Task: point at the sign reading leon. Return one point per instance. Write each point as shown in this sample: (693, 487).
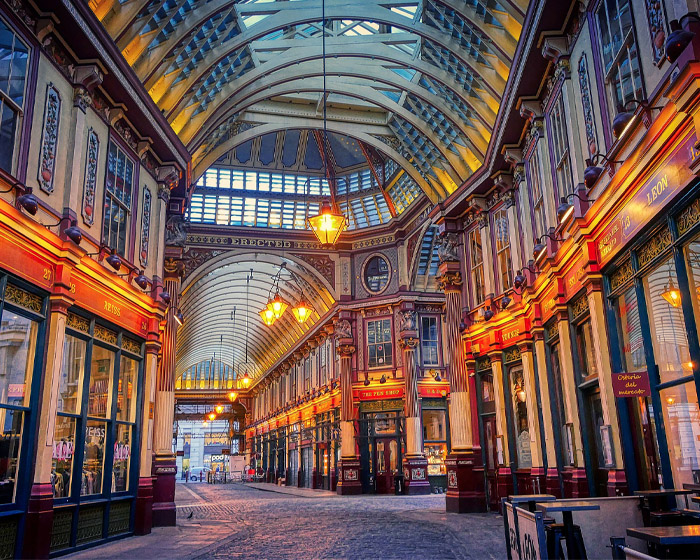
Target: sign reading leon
(632, 384)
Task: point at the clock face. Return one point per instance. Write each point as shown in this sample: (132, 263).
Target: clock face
(377, 274)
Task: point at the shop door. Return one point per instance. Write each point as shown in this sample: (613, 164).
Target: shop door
(491, 461)
(293, 467)
(306, 466)
(386, 460)
(594, 443)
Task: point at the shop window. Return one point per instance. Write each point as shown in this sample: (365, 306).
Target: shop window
(487, 390)
(118, 191)
(623, 75)
(435, 440)
(14, 56)
(502, 242)
(692, 259)
(585, 350)
(560, 147)
(379, 346)
(520, 419)
(564, 451)
(681, 414)
(19, 337)
(668, 332)
(100, 386)
(537, 192)
(429, 341)
(476, 261)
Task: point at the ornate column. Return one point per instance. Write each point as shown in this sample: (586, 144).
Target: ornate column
(537, 472)
(552, 485)
(504, 474)
(465, 470)
(40, 508)
(349, 465)
(415, 465)
(164, 469)
(143, 515)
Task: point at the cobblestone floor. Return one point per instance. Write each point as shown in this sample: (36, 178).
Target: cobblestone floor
(238, 521)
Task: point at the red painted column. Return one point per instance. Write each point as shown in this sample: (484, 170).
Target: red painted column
(164, 468)
(349, 464)
(415, 465)
(465, 470)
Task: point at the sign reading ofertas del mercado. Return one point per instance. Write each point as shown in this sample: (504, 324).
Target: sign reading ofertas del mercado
(650, 199)
(632, 384)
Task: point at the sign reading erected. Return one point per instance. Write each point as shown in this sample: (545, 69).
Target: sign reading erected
(632, 384)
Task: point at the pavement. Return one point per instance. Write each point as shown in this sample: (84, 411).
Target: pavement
(265, 521)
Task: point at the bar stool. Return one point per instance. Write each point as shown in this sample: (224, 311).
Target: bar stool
(556, 532)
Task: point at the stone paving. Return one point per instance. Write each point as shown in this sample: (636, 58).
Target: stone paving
(241, 521)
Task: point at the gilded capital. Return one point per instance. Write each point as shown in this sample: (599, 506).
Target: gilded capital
(345, 350)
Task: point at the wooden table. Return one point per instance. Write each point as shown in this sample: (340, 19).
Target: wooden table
(663, 539)
(658, 500)
(696, 499)
(530, 499)
(574, 545)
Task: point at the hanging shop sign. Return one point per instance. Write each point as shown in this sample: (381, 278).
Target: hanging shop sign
(632, 384)
(649, 200)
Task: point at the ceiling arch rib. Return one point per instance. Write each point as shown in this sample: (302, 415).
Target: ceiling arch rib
(211, 294)
(454, 167)
(196, 127)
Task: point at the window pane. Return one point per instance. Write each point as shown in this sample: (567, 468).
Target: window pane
(122, 458)
(126, 390)
(63, 451)
(630, 330)
(11, 422)
(434, 425)
(71, 381)
(682, 423)
(101, 371)
(8, 126)
(93, 462)
(435, 454)
(584, 346)
(17, 351)
(663, 298)
(520, 420)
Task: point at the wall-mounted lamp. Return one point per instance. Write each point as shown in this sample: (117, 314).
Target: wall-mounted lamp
(593, 171)
(488, 314)
(540, 248)
(367, 382)
(165, 296)
(72, 232)
(624, 119)
(179, 317)
(505, 302)
(383, 378)
(141, 280)
(565, 208)
(114, 260)
(26, 200)
(679, 39)
(436, 376)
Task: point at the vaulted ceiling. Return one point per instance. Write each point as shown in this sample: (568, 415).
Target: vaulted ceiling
(420, 82)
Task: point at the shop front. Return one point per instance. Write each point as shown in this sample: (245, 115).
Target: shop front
(653, 301)
(435, 441)
(306, 455)
(382, 444)
(327, 445)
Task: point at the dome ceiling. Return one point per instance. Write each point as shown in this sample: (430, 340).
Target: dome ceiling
(419, 82)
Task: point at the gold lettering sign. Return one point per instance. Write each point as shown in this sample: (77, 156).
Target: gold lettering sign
(511, 334)
(113, 309)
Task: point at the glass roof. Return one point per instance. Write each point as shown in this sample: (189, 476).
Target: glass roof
(418, 81)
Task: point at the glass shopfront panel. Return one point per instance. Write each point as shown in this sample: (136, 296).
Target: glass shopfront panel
(435, 440)
(62, 457)
(10, 444)
(126, 390)
(520, 420)
(101, 370)
(18, 350)
(94, 456)
(668, 333)
(122, 458)
(682, 424)
(71, 381)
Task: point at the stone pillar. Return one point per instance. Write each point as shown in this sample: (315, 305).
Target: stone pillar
(552, 485)
(575, 479)
(40, 508)
(164, 468)
(349, 465)
(415, 465)
(537, 471)
(617, 481)
(465, 470)
(143, 515)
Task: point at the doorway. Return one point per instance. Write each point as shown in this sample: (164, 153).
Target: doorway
(596, 446)
(307, 466)
(386, 463)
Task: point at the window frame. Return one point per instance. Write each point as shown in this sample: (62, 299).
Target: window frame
(476, 287)
(535, 184)
(388, 363)
(504, 250)
(560, 153)
(437, 341)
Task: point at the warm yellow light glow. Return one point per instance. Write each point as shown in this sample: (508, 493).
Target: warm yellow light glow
(212, 416)
(327, 226)
(268, 316)
(219, 408)
(246, 379)
(232, 396)
(278, 306)
(302, 311)
(672, 295)
(670, 400)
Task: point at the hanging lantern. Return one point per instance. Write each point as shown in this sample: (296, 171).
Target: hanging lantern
(232, 396)
(212, 416)
(277, 305)
(327, 226)
(672, 294)
(219, 408)
(302, 310)
(246, 379)
(268, 316)
(520, 392)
